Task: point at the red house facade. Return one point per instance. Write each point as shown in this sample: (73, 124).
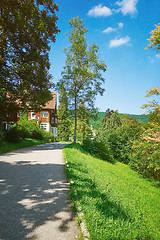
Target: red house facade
(47, 117)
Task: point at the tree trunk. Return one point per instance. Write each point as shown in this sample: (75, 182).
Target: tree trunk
(75, 117)
(1, 123)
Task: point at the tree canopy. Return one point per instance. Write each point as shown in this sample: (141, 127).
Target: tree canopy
(63, 119)
(155, 38)
(82, 75)
(26, 30)
(155, 91)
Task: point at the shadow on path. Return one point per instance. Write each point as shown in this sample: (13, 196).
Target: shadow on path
(33, 196)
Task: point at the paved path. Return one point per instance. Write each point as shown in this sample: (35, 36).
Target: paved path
(34, 202)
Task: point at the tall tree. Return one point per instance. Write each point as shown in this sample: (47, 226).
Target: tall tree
(63, 120)
(82, 75)
(155, 38)
(154, 42)
(26, 29)
(83, 126)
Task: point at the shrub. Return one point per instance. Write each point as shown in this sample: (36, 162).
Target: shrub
(119, 139)
(30, 129)
(27, 129)
(146, 158)
(47, 136)
(12, 135)
(97, 148)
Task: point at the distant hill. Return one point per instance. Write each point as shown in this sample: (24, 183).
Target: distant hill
(140, 118)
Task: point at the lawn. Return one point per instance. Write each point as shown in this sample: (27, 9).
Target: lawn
(7, 147)
(117, 202)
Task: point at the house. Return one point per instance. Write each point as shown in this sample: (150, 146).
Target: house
(9, 119)
(47, 117)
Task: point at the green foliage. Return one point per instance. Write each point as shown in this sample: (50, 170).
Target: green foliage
(152, 105)
(12, 135)
(82, 75)
(83, 126)
(146, 158)
(26, 30)
(28, 129)
(118, 133)
(64, 122)
(154, 117)
(96, 123)
(117, 203)
(98, 149)
(155, 38)
(111, 121)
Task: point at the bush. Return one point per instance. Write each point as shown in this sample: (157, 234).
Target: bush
(27, 129)
(30, 129)
(12, 135)
(47, 136)
(97, 148)
(146, 158)
(119, 139)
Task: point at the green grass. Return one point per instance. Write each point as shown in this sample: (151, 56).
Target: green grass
(7, 147)
(116, 201)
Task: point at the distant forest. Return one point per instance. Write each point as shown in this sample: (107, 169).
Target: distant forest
(140, 118)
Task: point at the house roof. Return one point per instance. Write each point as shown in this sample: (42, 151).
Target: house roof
(52, 103)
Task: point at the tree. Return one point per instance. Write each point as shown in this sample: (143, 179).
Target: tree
(152, 105)
(83, 126)
(63, 120)
(26, 29)
(155, 38)
(155, 91)
(82, 73)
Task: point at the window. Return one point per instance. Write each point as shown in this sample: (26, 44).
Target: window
(55, 120)
(52, 120)
(55, 131)
(52, 130)
(7, 126)
(44, 126)
(33, 115)
(44, 114)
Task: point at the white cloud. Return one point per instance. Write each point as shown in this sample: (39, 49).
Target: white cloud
(120, 25)
(100, 11)
(158, 56)
(119, 42)
(110, 29)
(127, 6)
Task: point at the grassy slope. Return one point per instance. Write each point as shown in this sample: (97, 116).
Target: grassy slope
(116, 201)
(7, 147)
(96, 123)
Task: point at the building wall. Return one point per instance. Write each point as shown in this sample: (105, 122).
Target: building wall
(49, 123)
(11, 117)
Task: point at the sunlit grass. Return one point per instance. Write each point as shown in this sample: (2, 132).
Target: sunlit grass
(116, 201)
(7, 147)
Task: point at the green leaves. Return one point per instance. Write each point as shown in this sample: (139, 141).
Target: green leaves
(27, 27)
(82, 75)
(155, 38)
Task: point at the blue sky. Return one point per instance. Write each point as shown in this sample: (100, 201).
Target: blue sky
(120, 29)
